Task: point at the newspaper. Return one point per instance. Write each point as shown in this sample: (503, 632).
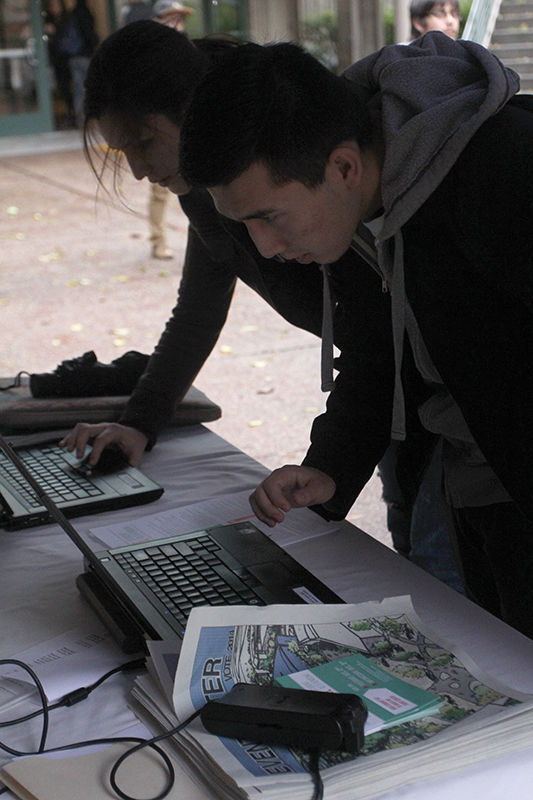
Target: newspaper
(478, 717)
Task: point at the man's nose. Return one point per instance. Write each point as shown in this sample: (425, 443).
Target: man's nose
(137, 165)
(268, 242)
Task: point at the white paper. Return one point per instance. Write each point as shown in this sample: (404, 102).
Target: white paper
(75, 659)
(299, 525)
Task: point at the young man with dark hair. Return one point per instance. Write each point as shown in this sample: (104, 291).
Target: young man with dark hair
(427, 15)
(421, 159)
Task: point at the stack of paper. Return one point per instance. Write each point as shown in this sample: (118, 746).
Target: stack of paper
(473, 719)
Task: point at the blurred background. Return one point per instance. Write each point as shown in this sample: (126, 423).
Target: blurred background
(36, 80)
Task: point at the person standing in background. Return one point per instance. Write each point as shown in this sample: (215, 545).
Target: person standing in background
(427, 15)
(84, 41)
(72, 40)
(55, 20)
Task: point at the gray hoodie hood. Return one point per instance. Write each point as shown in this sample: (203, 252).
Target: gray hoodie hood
(430, 97)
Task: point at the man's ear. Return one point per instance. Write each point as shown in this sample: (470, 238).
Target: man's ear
(418, 25)
(346, 163)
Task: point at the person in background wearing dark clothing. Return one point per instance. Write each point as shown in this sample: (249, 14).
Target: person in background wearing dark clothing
(83, 45)
(72, 40)
(55, 20)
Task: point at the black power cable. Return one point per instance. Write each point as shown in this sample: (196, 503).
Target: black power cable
(77, 695)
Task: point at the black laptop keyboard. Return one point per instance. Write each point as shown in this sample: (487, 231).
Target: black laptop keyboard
(187, 574)
(52, 470)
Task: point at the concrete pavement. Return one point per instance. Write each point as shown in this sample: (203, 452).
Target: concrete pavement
(77, 275)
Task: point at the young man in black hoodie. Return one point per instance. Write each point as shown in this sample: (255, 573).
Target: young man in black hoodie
(421, 160)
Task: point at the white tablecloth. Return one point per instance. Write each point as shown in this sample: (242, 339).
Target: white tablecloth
(39, 600)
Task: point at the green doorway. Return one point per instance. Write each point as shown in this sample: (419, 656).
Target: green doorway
(24, 88)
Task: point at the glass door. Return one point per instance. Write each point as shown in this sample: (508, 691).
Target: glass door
(25, 105)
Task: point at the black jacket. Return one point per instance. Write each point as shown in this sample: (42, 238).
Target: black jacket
(220, 251)
(468, 261)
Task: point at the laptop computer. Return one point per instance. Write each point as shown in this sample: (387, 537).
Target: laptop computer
(72, 490)
(146, 591)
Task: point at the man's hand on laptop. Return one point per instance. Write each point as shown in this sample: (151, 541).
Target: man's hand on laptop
(130, 440)
(289, 487)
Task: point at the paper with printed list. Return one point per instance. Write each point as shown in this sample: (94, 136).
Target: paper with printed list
(299, 524)
(75, 658)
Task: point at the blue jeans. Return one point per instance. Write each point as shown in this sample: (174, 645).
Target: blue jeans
(78, 68)
(420, 529)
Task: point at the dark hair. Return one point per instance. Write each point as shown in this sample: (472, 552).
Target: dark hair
(420, 9)
(143, 68)
(270, 103)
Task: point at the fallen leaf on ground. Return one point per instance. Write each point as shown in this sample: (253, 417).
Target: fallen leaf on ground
(225, 348)
(255, 423)
(54, 255)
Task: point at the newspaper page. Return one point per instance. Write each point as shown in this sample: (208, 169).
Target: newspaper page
(259, 644)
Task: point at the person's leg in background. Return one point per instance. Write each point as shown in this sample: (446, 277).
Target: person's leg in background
(63, 78)
(78, 68)
(419, 527)
(398, 506)
(156, 215)
(431, 546)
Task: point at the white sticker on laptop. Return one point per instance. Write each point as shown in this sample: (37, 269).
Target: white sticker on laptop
(306, 595)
